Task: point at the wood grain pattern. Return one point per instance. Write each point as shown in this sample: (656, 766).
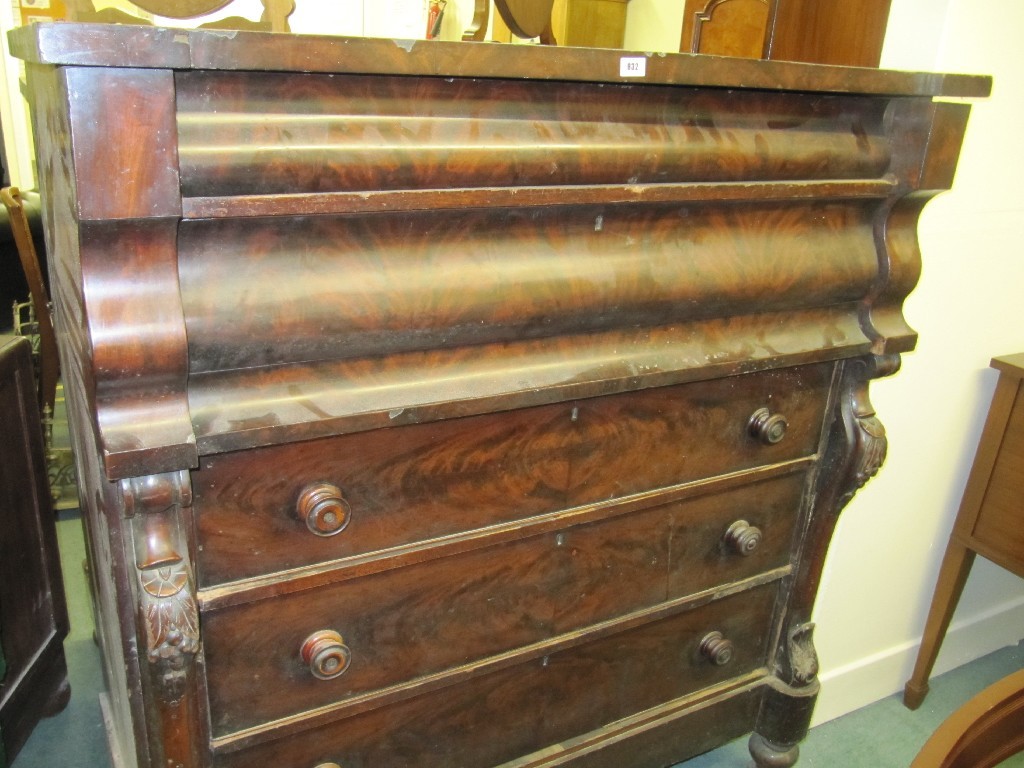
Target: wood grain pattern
(426, 618)
(124, 146)
(379, 285)
(343, 133)
(139, 348)
(124, 142)
(661, 436)
(420, 482)
(145, 424)
(700, 559)
(316, 574)
(404, 485)
(516, 711)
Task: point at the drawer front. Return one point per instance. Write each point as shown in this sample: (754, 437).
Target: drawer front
(400, 485)
(674, 736)
(427, 618)
(498, 716)
(414, 483)
(658, 437)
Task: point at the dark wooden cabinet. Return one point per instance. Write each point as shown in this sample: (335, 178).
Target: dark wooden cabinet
(469, 405)
(33, 613)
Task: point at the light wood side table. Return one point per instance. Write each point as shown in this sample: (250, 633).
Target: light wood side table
(989, 520)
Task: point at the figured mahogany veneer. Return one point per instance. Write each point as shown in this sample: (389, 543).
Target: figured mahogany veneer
(469, 405)
(416, 483)
(404, 623)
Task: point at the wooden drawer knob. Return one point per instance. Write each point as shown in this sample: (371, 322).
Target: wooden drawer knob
(742, 537)
(767, 427)
(716, 649)
(324, 509)
(326, 654)
(328, 765)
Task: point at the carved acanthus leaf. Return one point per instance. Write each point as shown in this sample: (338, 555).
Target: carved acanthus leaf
(803, 658)
(870, 452)
(171, 618)
(168, 610)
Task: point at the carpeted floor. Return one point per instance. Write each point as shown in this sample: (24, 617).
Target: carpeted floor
(883, 735)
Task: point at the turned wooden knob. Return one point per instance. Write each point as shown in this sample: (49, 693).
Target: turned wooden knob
(716, 649)
(767, 427)
(742, 537)
(324, 509)
(328, 765)
(326, 654)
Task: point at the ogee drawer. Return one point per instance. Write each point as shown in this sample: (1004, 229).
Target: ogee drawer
(282, 507)
(368, 633)
(657, 437)
(494, 717)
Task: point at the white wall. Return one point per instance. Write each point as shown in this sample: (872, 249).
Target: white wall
(13, 110)
(885, 557)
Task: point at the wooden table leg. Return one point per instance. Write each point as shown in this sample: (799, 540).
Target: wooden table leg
(956, 565)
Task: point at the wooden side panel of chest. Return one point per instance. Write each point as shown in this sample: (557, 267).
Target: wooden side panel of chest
(471, 407)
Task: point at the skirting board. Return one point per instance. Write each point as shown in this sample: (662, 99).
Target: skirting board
(116, 758)
(882, 674)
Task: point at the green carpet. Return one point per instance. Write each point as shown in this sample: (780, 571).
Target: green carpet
(886, 734)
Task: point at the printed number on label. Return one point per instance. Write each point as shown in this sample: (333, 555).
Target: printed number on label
(633, 66)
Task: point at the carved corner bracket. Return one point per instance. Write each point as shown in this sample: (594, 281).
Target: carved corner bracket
(168, 610)
(857, 448)
(867, 442)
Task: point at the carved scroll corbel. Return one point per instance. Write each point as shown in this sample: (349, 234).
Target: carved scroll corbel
(856, 450)
(168, 611)
(868, 443)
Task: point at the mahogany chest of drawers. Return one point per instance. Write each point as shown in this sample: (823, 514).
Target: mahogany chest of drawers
(469, 405)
